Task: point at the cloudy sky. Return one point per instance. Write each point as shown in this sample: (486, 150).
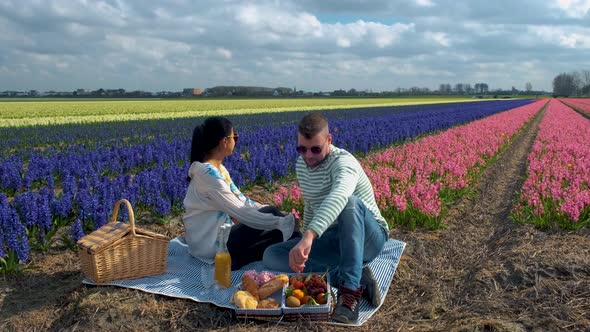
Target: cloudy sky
(319, 45)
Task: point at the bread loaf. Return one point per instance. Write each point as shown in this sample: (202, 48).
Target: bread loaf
(272, 286)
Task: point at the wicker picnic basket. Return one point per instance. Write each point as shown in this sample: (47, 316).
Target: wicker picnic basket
(119, 251)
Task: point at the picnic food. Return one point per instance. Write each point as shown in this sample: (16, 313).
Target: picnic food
(250, 286)
(252, 297)
(268, 304)
(315, 284)
(292, 301)
(273, 285)
(297, 281)
(308, 290)
(245, 300)
(260, 277)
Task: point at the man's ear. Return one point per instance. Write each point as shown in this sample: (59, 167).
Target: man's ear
(329, 139)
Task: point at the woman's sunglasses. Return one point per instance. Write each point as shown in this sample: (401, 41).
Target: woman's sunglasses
(314, 149)
(235, 136)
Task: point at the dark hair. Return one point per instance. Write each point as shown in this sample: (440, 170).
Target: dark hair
(312, 124)
(206, 136)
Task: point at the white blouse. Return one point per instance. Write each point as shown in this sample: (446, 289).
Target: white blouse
(211, 198)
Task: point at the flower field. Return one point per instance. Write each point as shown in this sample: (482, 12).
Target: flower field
(453, 171)
(557, 189)
(582, 105)
(25, 112)
(415, 181)
(69, 176)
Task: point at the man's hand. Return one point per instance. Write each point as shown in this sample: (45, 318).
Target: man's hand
(298, 254)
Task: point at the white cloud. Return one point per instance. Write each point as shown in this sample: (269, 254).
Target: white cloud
(574, 8)
(573, 38)
(343, 42)
(145, 47)
(361, 32)
(279, 22)
(425, 3)
(226, 54)
(78, 29)
(317, 45)
(439, 37)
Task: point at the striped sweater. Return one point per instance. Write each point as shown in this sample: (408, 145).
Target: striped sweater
(327, 187)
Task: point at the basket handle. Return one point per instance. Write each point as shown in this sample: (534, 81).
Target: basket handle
(129, 209)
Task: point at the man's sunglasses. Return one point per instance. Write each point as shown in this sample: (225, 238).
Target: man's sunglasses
(314, 149)
(235, 136)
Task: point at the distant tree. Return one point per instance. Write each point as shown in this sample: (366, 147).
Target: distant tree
(467, 87)
(564, 84)
(586, 76)
(445, 88)
(585, 90)
(528, 87)
(414, 90)
(459, 88)
(481, 88)
(578, 81)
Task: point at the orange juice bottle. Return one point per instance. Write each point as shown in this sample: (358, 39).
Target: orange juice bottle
(223, 259)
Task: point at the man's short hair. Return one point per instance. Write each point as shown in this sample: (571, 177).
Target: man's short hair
(313, 124)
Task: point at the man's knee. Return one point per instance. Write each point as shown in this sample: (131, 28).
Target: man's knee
(353, 202)
(350, 211)
(274, 256)
(269, 253)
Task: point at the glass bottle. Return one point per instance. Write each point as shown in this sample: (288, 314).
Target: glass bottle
(222, 258)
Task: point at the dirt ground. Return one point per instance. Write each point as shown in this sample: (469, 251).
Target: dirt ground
(482, 272)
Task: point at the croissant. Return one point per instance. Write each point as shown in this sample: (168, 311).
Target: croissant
(245, 300)
(272, 286)
(268, 304)
(249, 285)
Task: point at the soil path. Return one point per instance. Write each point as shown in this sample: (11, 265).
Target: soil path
(483, 272)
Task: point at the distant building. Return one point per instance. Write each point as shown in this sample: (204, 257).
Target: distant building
(189, 92)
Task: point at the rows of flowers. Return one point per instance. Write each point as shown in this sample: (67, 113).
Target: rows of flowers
(557, 188)
(55, 184)
(580, 104)
(414, 182)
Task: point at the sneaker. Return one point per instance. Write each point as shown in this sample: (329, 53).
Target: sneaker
(371, 291)
(347, 306)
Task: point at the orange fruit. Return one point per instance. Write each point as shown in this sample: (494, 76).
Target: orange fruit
(298, 293)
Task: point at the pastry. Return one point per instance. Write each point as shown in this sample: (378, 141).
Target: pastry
(250, 286)
(245, 300)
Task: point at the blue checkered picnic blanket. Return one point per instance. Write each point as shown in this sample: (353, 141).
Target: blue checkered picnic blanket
(190, 278)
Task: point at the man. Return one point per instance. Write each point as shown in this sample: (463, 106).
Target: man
(342, 226)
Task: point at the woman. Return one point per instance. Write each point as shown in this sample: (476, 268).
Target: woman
(212, 199)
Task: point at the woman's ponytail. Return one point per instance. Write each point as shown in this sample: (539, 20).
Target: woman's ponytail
(198, 146)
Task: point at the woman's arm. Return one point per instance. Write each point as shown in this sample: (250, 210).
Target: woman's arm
(221, 198)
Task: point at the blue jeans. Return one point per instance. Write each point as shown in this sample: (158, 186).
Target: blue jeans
(356, 239)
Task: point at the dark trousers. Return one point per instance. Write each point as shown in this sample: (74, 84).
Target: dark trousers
(246, 244)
